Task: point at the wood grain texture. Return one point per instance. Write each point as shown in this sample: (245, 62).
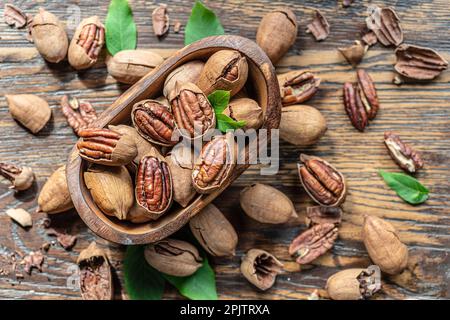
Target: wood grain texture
(420, 113)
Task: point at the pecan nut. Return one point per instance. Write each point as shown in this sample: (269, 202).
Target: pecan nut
(154, 122)
(79, 114)
(321, 215)
(406, 158)
(419, 63)
(260, 268)
(297, 86)
(354, 106)
(323, 183)
(319, 26)
(313, 243)
(369, 96)
(214, 165)
(385, 23)
(107, 147)
(21, 178)
(191, 109)
(86, 43)
(160, 20)
(14, 16)
(154, 189)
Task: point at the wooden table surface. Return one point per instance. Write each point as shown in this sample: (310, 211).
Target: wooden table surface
(419, 113)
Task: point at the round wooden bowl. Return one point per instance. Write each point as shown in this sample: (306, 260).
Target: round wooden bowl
(265, 83)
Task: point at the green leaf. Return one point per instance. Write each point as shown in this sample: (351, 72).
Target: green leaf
(225, 123)
(142, 282)
(199, 286)
(219, 100)
(406, 187)
(121, 31)
(201, 24)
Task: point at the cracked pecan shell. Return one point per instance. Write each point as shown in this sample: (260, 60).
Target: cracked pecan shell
(313, 242)
(297, 86)
(192, 111)
(154, 122)
(154, 189)
(323, 183)
(406, 158)
(385, 23)
(214, 164)
(21, 178)
(260, 268)
(319, 26)
(107, 147)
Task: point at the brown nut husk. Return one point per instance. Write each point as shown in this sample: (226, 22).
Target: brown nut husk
(138, 214)
(107, 147)
(30, 110)
(354, 53)
(21, 178)
(419, 63)
(86, 44)
(111, 188)
(214, 232)
(160, 20)
(154, 186)
(277, 32)
(354, 284)
(384, 246)
(183, 190)
(302, 125)
(266, 204)
(214, 165)
(260, 268)
(224, 70)
(297, 86)
(49, 36)
(193, 113)
(188, 72)
(129, 66)
(154, 121)
(385, 23)
(173, 257)
(245, 109)
(55, 196)
(323, 182)
(95, 274)
(319, 26)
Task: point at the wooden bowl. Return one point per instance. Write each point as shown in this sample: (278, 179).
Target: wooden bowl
(263, 77)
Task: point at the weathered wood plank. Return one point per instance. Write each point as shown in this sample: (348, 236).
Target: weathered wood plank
(419, 113)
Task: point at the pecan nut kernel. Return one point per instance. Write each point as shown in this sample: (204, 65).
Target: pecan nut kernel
(191, 109)
(154, 122)
(21, 178)
(297, 86)
(79, 114)
(260, 268)
(214, 164)
(368, 93)
(86, 43)
(354, 106)
(406, 158)
(107, 147)
(323, 183)
(313, 243)
(154, 188)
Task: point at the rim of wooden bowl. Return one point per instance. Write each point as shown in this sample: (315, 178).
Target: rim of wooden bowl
(89, 212)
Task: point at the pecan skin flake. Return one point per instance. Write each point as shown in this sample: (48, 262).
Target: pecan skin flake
(407, 158)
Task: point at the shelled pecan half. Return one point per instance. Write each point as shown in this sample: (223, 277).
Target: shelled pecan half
(321, 215)
(214, 164)
(191, 109)
(419, 63)
(297, 86)
(323, 183)
(86, 43)
(154, 122)
(80, 114)
(354, 106)
(154, 189)
(354, 53)
(385, 23)
(107, 147)
(319, 26)
(21, 178)
(406, 158)
(368, 92)
(313, 242)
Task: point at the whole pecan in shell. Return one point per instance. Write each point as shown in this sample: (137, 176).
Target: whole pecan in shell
(324, 184)
(297, 86)
(354, 106)
(107, 147)
(214, 165)
(79, 114)
(419, 63)
(368, 93)
(154, 122)
(406, 158)
(21, 178)
(385, 23)
(154, 189)
(191, 109)
(313, 243)
(319, 26)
